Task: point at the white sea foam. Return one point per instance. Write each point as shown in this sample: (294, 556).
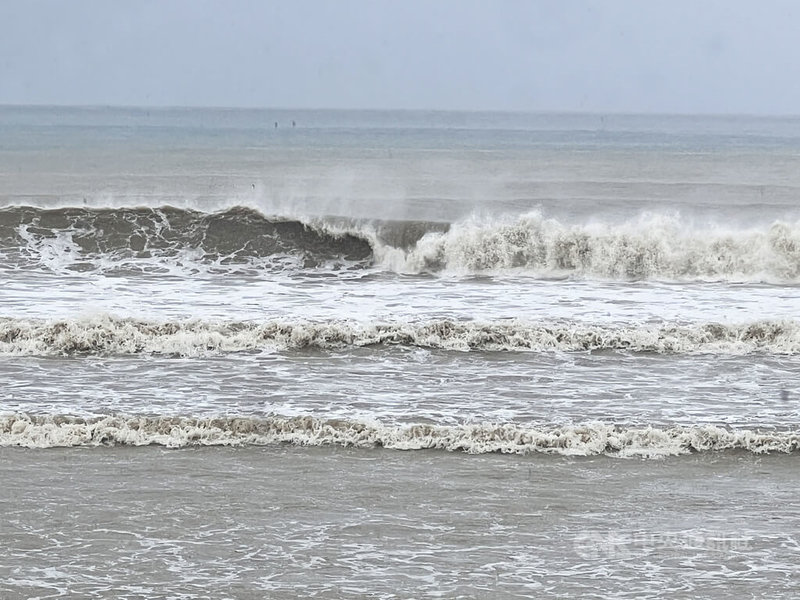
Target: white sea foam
(650, 247)
(106, 335)
(576, 440)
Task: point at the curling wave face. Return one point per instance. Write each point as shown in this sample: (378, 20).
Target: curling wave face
(576, 440)
(83, 239)
(105, 335)
(144, 239)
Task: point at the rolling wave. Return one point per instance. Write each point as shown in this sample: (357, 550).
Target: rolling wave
(651, 247)
(589, 439)
(106, 335)
(83, 239)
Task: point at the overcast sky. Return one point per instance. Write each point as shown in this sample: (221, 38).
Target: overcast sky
(685, 56)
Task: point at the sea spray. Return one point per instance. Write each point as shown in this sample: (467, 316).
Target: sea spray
(653, 246)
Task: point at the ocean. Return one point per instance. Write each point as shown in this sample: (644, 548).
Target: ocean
(388, 354)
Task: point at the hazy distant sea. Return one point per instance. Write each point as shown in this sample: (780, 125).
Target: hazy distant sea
(354, 354)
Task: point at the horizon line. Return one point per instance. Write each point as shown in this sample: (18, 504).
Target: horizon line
(549, 111)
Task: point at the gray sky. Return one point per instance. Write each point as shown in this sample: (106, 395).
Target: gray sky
(707, 56)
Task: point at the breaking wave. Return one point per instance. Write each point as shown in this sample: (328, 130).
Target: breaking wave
(652, 247)
(154, 239)
(106, 335)
(150, 239)
(578, 440)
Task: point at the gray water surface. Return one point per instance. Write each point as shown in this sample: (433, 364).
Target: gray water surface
(284, 522)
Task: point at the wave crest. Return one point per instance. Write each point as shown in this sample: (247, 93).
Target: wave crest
(154, 239)
(578, 440)
(652, 247)
(106, 335)
(81, 239)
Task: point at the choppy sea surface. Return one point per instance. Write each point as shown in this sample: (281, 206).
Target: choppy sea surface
(271, 354)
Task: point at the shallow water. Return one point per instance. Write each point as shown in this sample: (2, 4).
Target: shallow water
(277, 521)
